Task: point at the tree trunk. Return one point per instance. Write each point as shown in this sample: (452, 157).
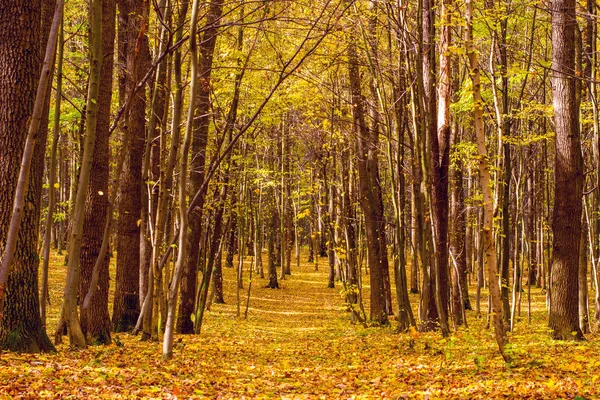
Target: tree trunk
(286, 206)
(134, 51)
(95, 320)
(52, 184)
(166, 184)
(21, 327)
(488, 246)
(370, 196)
(584, 315)
(182, 192)
(438, 137)
(271, 233)
(206, 49)
(568, 177)
(460, 293)
(69, 309)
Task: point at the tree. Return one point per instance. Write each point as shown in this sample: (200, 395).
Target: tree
(183, 243)
(370, 196)
(21, 28)
(197, 165)
(488, 246)
(133, 56)
(70, 314)
(568, 177)
(435, 161)
(95, 320)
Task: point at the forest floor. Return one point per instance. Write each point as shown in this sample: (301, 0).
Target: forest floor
(298, 342)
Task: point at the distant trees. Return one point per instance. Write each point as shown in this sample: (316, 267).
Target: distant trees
(364, 131)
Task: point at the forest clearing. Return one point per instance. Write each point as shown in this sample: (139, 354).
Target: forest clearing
(298, 343)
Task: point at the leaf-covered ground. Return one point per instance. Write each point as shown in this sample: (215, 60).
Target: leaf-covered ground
(298, 343)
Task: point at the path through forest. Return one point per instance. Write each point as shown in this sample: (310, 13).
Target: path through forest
(298, 343)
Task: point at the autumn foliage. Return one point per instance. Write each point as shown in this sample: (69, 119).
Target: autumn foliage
(298, 343)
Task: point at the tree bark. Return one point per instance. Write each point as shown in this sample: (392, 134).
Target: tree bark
(568, 177)
(134, 51)
(370, 196)
(438, 137)
(206, 49)
(95, 320)
(21, 327)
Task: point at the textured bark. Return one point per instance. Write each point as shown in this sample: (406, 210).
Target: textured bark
(95, 320)
(22, 28)
(438, 136)
(134, 50)
(568, 177)
(370, 196)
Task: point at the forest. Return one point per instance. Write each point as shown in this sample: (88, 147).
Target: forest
(299, 199)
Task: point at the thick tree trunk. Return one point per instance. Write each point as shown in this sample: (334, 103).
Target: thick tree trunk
(22, 29)
(568, 177)
(134, 49)
(95, 320)
(370, 196)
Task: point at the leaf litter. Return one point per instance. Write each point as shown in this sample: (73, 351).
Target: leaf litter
(298, 343)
